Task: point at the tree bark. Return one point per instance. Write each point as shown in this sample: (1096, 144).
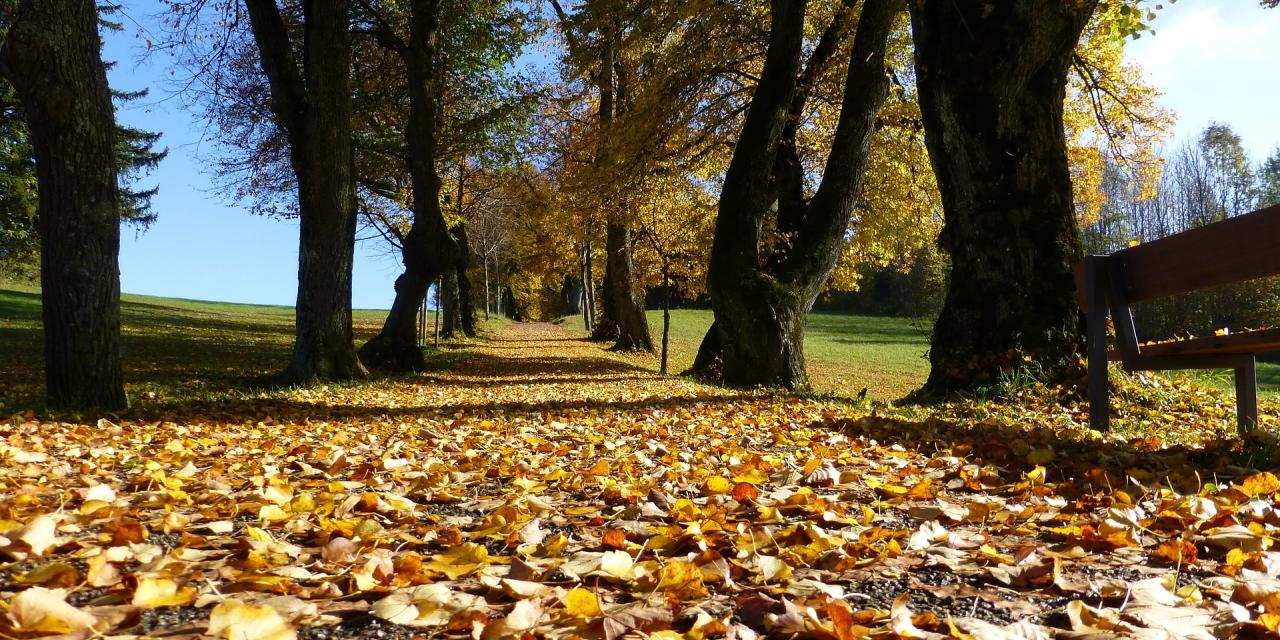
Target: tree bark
(428, 250)
(762, 299)
(52, 56)
(466, 307)
(632, 326)
(589, 288)
(314, 109)
(606, 326)
(666, 316)
(486, 288)
(992, 98)
(451, 320)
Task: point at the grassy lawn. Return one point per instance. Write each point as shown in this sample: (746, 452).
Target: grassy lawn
(177, 348)
(886, 355)
(845, 352)
(173, 348)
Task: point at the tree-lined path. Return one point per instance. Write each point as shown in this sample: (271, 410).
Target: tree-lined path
(546, 485)
(844, 202)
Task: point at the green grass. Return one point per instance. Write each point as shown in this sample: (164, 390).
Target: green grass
(1268, 378)
(844, 352)
(886, 355)
(173, 348)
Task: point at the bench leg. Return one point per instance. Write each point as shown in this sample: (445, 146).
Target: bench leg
(1099, 385)
(1246, 397)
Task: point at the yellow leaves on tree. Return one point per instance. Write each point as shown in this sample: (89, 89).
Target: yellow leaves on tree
(1111, 116)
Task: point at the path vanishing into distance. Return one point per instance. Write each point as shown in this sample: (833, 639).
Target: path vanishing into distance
(546, 486)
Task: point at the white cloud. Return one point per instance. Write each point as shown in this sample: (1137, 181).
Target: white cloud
(1216, 60)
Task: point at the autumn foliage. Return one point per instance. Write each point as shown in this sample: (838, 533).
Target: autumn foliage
(547, 488)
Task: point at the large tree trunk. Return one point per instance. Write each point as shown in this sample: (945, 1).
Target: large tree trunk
(632, 326)
(466, 306)
(991, 94)
(314, 108)
(622, 318)
(52, 58)
(588, 287)
(451, 321)
(762, 300)
(428, 249)
(606, 326)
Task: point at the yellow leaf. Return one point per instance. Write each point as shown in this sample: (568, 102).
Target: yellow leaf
(235, 620)
(1264, 483)
(161, 592)
(460, 560)
(52, 574)
(46, 611)
(1040, 456)
(717, 485)
(581, 603)
(618, 564)
(272, 513)
(990, 553)
(682, 579)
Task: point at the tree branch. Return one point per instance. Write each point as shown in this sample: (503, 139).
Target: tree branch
(288, 93)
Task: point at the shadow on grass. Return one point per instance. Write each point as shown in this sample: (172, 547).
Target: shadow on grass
(170, 352)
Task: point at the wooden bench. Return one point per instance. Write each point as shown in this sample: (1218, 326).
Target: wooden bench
(1235, 250)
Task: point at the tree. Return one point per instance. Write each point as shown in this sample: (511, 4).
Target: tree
(19, 235)
(310, 90)
(52, 57)
(1269, 181)
(762, 288)
(675, 218)
(445, 96)
(428, 248)
(622, 320)
(992, 98)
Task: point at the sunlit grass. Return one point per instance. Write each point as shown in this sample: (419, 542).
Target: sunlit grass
(173, 348)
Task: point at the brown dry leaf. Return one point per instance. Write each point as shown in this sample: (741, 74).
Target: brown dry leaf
(581, 501)
(524, 616)
(39, 535)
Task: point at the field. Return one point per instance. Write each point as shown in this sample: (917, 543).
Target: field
(845, 353)
(887, 356)
(174, 348)
(177, 348)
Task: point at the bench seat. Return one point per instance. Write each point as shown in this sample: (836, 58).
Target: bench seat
(1245, 342)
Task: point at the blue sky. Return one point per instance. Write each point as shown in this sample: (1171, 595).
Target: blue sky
(1215, 60)
(204, 246)
(1206, 56)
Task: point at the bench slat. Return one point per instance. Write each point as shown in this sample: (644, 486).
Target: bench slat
(1234, 250)
(1246, 342)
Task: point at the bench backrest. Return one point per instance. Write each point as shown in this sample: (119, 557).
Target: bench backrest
(1234, 250)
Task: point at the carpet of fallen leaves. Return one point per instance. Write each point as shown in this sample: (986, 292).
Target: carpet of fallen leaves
(545, 488)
